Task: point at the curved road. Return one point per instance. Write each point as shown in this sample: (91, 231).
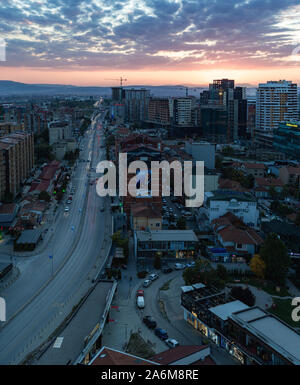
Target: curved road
(38, 302)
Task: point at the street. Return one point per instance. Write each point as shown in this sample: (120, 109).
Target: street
(47, 289)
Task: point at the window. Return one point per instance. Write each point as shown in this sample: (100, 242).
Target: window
(158, 224)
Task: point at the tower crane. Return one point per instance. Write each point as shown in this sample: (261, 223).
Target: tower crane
(121, 79)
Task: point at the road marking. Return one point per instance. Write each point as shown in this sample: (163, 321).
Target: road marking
(58, 342)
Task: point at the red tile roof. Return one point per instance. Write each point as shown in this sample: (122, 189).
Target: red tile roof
(171, 355)
(108, 356)
(255, 166)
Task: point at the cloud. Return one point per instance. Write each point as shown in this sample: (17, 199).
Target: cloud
(136, 34)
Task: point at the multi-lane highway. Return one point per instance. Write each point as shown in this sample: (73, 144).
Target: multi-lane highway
(42, 297)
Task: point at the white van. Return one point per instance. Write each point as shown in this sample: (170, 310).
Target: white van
(140, 302)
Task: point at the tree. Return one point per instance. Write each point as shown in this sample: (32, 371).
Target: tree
(244, 295)
(44, 196)
(297, 220)
(273, 192)
(157, 262)
(222, 272)
(258, 266)
(181, 223)
(275, 255)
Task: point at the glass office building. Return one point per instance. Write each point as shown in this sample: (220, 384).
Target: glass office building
(287, 139)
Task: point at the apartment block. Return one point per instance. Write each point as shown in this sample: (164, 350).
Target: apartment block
(17, 160)
(276, 101)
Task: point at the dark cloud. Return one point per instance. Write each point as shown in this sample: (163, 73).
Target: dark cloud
(153, 33)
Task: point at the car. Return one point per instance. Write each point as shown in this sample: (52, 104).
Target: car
(140, 293)
(179, 266)
(69, 201)
(70, 198)
(124, 266)
(67, 209)
(171, 342)
(153, 277)
(149, 321)
(140, 302)
(147, 283)
(167, 269)
(161, 333)
(190, 264)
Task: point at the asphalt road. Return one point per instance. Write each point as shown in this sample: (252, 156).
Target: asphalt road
(37, 297)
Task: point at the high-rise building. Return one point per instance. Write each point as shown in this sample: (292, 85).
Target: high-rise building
(182, 111)
(136, 104)
(237, 113)
(218, 91)
(159, 110)
(276, 101)
(16, 160)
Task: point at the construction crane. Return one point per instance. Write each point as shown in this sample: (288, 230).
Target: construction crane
(121, 80)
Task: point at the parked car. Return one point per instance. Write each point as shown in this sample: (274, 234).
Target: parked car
(149, 321)
(161, 333)
(140, 293)
(147, 283)
(171, 342)
(190, 264)
(140, 302)
(153, 277)
(124, 266)
(167, 269)
(179, 266)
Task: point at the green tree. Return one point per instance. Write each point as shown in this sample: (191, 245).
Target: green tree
(275, 255)
(222, 272)
(44, 196)
(273, 193)
(258, 266)
(157, 262)
(181, 223)
(244, 295)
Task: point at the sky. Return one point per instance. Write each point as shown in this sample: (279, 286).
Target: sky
(150, 42)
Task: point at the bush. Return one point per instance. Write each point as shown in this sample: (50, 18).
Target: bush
(244, 295)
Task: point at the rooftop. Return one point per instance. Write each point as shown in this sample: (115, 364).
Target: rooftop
(109, 356)
(225, 310)
(274, 332)
(167, 235)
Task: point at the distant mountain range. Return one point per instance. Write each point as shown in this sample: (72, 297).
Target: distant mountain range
(11, 88)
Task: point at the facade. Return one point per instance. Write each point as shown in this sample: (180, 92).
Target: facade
(287, 139)
(59, 130)
(237, 113)
(145, 217)
(202, 151)
(250, 334)
(182, 111)
(276, 101)
(159, 111)
(168, 243)
(214, 123)
(290, 175)
(136, 104)
(254, 169)
(242, 205)
(16, 160)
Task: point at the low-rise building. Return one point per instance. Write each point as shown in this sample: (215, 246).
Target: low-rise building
(145, 217)
(169, 243)
(243, 205)
(250, 334)
(254, 169)
(290, 175)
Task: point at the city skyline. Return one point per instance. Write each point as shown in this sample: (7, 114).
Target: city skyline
(150, 42)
